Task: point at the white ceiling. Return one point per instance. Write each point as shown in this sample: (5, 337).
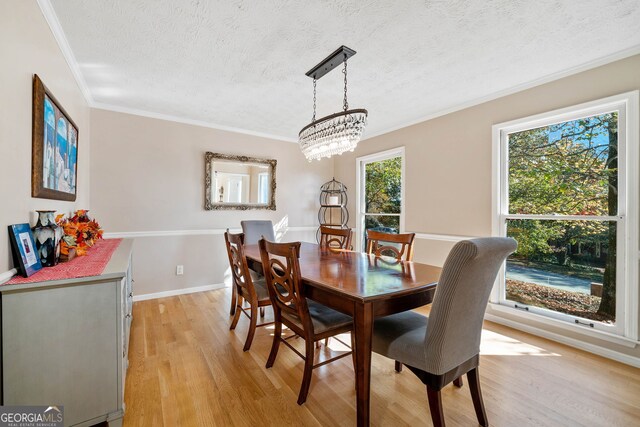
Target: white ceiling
(241, 64)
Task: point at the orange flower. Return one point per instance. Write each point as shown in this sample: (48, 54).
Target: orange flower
(80, 232)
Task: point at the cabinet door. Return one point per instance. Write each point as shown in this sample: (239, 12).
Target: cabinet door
(60, 347)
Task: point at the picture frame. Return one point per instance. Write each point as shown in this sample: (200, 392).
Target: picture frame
(23, 248)
(54, 157)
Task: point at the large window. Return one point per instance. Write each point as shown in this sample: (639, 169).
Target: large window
(567, 192)
(380, 193)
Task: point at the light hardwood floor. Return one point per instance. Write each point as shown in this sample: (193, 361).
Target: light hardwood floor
(188, 369)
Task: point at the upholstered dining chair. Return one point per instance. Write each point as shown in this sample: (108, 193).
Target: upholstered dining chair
(252, 291)
(441, 348)
(399, 246)
(253, 231)
(307, 319)
(336, 238)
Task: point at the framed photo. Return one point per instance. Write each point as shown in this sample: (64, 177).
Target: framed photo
(54, 157)
(23, 247)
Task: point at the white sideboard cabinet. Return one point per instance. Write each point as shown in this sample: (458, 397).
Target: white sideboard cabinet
(65, 342)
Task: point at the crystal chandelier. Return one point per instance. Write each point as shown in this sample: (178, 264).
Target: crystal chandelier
(338, 132)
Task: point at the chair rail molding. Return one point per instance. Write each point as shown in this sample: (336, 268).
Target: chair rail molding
(441, 237)
(205, 232)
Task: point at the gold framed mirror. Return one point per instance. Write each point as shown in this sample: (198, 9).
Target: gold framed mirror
(239, 182)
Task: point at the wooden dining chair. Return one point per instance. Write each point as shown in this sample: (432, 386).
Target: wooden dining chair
(307, 319)
(252, 291)
(335, 238)
(253, 231)
(399, 246)
(441, 348)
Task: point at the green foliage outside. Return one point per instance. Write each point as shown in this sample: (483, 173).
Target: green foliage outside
(383, 194)
(567, 169)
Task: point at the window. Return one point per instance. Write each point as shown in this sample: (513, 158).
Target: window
(380, 194)
(566, 190)
(263, 187)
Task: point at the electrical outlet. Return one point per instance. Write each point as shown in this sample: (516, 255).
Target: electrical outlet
(179, 270)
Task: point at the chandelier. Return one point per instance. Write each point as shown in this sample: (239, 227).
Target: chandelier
(338, 132)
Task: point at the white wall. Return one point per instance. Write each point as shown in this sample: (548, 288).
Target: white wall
(449, 161)
(148, 176)
(28, 47)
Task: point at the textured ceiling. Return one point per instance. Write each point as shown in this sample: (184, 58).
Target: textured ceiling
(242, 64)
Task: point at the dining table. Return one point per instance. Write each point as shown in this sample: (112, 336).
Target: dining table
(365, 287)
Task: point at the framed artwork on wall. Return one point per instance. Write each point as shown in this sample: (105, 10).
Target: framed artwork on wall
(54, 156)
(23, 248)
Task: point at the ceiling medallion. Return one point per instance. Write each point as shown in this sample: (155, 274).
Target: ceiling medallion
(338, 132)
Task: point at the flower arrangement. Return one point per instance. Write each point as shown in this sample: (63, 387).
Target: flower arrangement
(80, 233)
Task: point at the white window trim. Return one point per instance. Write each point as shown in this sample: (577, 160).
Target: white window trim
(628, 283)
(360, 163)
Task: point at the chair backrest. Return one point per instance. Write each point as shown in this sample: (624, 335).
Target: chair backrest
(254, 230)
(336, 238)
(284, 282)
(462, 294)
(399, 246)
(240, 276)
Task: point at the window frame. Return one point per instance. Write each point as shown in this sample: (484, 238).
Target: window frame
(626, 104)
(361, 163)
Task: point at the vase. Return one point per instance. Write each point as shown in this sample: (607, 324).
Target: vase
(48, 236)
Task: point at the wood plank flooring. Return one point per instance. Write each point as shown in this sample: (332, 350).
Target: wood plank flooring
(188, 369)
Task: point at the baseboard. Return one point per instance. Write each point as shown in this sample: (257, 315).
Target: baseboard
(7, 275)
(175, 292)
(571, 342)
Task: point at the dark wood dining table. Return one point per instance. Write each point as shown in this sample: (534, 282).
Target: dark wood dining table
(365, 287)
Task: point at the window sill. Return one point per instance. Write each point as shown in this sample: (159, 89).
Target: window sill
(530, 322)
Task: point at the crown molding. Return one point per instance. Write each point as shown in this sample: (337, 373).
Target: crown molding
(177, 119)
(635, 50)
(52, 19)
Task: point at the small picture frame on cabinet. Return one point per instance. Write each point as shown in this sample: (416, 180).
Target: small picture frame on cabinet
(23, 248)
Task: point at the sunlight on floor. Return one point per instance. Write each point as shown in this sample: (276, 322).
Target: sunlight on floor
(494, 344)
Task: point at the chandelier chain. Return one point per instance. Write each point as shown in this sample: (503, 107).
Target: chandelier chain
(345, 104)
(314, 100)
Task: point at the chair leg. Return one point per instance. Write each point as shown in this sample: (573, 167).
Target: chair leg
(309, 356)
(236, 316)
(261, 311)
(435, 406)
(458, 382)
(277, 332)
(232, 311)
(476, 396)
(252, 328)
(398, 366)
(353, 349)
(326, 342)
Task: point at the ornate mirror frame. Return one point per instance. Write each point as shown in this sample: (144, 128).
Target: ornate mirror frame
(210, 205)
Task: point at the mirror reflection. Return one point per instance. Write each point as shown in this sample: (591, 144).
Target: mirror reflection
(239, 182)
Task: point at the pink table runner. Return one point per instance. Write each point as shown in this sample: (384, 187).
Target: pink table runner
(92, 264)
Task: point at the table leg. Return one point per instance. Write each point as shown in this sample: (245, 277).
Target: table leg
(363, 325)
